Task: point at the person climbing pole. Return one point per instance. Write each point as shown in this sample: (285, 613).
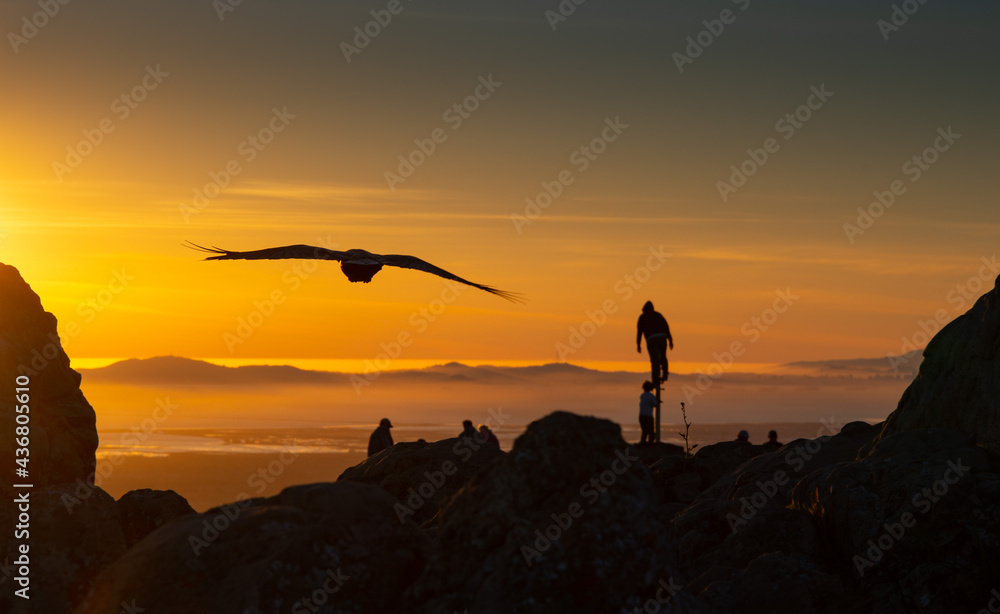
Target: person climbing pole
(654, 327)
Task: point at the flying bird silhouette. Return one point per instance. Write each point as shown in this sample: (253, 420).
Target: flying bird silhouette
(357, 264)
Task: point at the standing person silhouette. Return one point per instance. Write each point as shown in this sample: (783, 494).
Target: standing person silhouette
(654, 326)
(647, 402)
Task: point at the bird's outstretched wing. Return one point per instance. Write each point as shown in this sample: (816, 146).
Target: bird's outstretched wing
(301, 252)
(412, 262)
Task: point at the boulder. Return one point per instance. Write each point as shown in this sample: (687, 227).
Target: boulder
(145, 510)
(62, 423)
(714, 533)
(716, 460)
(958, 385)
(678, 482)
(565, 522)
(422, 475)
(739, 536)
(318, 548)
(912, 526)
(74, 534)
(73, 528)
(651, 453)
(778, 583)
(774, 474)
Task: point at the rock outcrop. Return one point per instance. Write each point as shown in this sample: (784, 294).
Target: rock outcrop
(422, 475)
(145, 510)
(958, 385)
(313, 548)
(63, 427)
(74, 534)
(738, 538)
(73, 527)
(785, 466)
(566, 522)
(913, 527)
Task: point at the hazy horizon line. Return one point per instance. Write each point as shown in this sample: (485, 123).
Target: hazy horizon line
(349, 366)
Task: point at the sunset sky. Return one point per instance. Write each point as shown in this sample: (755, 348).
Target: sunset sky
(261, 110)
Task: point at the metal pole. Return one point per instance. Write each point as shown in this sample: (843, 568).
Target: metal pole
(656, 427)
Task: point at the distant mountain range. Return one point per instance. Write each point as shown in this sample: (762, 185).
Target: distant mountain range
(906, 364)
(177, 370)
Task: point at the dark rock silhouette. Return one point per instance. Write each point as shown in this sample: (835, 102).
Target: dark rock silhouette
(319, 547)
(650, 453)
(63, 424)
(716, 460)
(145, 510)
(776, 583)
(913, 526)
(73, 538)
(422, 475)
(739, 531)
(532, 534)
(958, 385)
(795, 460)
(74, 526)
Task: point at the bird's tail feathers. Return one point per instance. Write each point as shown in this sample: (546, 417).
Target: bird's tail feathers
(222, 254)
(513, 297)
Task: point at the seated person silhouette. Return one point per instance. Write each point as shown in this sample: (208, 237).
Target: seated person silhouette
(468, 430)
(380, 438)
(772, 440)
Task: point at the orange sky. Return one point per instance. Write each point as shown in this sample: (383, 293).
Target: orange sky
(77, 228)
